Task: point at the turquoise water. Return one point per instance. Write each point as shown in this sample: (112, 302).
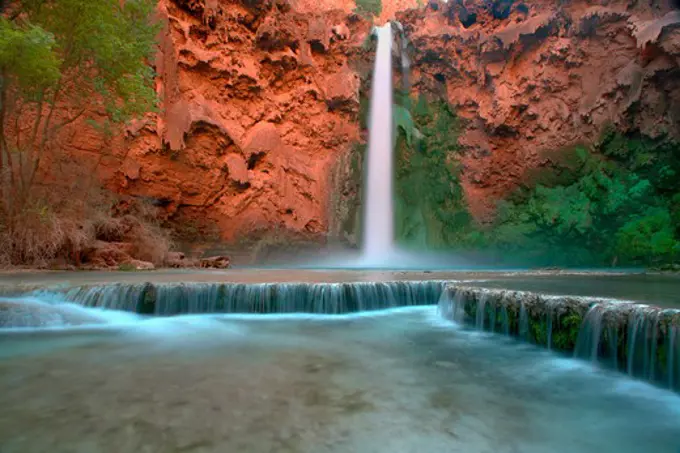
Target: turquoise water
(393, 381)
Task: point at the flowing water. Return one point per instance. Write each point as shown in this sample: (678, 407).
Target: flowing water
(397, 381)
(378, 239)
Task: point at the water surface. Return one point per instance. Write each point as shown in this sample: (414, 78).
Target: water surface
(397, 381)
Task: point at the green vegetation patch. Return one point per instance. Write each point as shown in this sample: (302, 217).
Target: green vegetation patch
(368, 7)
(621, 206)
(430, 209)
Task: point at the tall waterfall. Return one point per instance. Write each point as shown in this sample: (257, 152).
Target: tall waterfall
(378, 239)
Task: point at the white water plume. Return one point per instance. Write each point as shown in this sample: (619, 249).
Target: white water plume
(378, 240)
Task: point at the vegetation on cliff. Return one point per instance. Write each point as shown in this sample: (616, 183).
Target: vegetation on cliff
(614, 203)
(618, 205)
(430, 208)
(63, 63)
(368, 8)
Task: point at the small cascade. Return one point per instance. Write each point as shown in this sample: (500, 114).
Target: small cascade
(481, 312)
(673, 354)
(30, 312)
(588, 341)
(523, 322)
(505, 320)
(632, 338)
(319, 298)
(549, 322)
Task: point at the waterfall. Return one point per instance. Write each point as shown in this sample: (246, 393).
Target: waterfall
(588, 340)
(549, 323)
(632, 338)
(523, 322)
(166, 299)
(481, 311)
(378, 239)
(671, 355)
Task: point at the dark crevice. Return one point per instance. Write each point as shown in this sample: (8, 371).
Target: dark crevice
(254, 159)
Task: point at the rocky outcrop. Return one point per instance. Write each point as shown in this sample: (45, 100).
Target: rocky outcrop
(258, 100)
(529, 78)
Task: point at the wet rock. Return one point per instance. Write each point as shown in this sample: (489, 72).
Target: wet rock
(107, 255)
(215, 262)
(140, 265)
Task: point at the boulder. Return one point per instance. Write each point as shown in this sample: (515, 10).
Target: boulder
(215, 262)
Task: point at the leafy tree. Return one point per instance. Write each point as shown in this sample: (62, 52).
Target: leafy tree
(62, 61)
(611, 212)
(649, 237)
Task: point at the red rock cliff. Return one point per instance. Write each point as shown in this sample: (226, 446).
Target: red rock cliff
(260, 98)
(530, 78)
(257, 101)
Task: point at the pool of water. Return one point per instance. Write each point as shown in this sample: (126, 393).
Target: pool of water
(394, 381)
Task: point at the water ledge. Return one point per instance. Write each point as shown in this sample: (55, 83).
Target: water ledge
(640, 340)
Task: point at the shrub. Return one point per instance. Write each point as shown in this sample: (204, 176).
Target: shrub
(368, 7)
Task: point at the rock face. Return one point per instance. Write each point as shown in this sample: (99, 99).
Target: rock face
(528, 78)
(258, 100)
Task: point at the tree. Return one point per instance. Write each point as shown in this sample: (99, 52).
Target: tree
(63, 61)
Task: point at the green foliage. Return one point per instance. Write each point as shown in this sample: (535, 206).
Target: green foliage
(27, 57)
(368, 7)
(401, 119)
(126, 267)
(619, 209)
(104, 46)
(565, 332)
(91, 56)
(648, 235)
(616, 203)
(430, 208)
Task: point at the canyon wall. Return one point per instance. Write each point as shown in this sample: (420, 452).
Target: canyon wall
(529, 79)
(261, 102)
(258, 99)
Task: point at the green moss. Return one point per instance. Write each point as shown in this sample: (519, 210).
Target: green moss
(127, 267)
(368, 8)
(565, 331)
(538, 331)
(364, 111)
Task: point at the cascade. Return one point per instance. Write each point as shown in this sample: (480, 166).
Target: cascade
(632, 338)
(523, 322)
(378, 237)
(588, 341)
(166, 299)
(26, 311)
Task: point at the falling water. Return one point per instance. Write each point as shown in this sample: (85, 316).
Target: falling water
(166, 299)
(523, 322)
(506, 320)
(636, 319)
(588, 341)
(378, 240)
(671, 355)
(651, 351)
(549, 323)
(481, 311)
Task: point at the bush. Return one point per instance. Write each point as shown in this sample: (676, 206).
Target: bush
(368, 7)
(45, 233)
